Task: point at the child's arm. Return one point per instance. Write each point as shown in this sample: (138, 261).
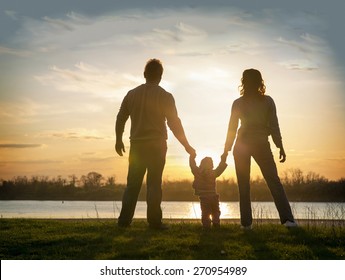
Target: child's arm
(192, 164)
(223, 157)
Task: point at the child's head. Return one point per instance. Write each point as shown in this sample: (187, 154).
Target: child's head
(206, 164)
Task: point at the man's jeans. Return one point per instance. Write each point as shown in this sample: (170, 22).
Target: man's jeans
(144, 156)
(262, 154)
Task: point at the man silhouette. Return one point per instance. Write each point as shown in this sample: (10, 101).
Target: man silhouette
(149, 107)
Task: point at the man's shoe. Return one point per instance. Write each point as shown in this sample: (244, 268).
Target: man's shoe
(246, 227)
(159, 227)
(290, 224)
(122, 225)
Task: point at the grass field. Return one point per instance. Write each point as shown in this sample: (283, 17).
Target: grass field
(102, 239)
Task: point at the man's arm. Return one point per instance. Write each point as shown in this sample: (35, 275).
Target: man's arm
(175, 125)
(121, 120)
(119, 146)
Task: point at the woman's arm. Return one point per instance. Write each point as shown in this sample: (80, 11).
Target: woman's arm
(274, 125)
(232, 127)
(275, 131)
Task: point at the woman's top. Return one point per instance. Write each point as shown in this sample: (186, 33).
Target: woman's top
(258, 120)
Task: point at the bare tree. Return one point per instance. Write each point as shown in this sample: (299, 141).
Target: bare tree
(92, 180)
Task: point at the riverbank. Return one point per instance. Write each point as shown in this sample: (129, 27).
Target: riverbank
(86, 239)
(171, 210)
(298, 186)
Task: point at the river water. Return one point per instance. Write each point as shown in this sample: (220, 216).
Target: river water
(171, 210)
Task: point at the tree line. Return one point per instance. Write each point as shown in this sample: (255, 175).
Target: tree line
(93, 186)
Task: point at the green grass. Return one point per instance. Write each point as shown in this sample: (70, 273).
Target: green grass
(102, 239)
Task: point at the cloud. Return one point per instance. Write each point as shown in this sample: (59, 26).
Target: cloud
(242, 19)
(69, 23)
(28, 162)
(97, 159)
(21, 111)
(79, 134)
(338, 160)
(295, 45)
(61, 24)
(86, 78)
(244, 46)
(50, 33)
(74, 135)
(190, 54)
(12, 14)
(305, 43)
(179, 33)
(306, 52)
(19, 146)
(189, 31)
(302, 64)
(79, 19)
(14, 52)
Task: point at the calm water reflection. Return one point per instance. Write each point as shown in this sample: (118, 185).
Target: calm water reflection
(171, 210)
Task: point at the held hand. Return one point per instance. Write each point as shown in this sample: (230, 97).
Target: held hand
(191, 151)
(120, 148)
(282, 155)
(227, 149)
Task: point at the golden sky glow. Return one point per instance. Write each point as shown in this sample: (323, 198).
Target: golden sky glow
(63, 76)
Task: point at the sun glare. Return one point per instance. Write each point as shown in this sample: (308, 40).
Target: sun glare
(215, 155)
(228, 210)
(208, 153)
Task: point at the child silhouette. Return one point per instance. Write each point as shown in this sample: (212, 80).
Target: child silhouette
(204, 185)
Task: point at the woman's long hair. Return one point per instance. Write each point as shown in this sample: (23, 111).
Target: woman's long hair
(252, 83)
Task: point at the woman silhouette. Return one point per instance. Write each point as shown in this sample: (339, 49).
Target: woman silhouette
(257, 113)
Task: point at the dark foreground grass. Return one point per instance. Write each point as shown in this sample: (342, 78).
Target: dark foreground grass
(102, 239)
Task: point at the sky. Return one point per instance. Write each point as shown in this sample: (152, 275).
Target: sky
(65, 67)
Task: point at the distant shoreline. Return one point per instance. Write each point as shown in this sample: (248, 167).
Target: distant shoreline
(299, 187)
